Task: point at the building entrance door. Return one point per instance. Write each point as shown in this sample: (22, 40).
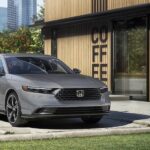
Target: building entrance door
(130, 58)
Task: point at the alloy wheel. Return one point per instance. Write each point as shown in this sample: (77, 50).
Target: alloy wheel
(12, 108)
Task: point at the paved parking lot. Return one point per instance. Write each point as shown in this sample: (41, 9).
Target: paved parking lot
(125, 117)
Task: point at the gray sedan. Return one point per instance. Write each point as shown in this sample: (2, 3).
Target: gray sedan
(38, 86)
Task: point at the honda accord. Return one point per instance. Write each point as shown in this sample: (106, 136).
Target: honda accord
(39, 86)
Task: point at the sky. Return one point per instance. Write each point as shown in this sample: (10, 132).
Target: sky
(3, 3)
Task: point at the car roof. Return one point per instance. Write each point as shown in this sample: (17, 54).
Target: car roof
(25, 55)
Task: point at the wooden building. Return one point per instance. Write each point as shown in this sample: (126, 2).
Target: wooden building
(105, 39)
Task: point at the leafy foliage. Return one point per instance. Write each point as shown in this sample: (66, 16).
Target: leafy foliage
(23, 40)
(137, 50)
(131, 47)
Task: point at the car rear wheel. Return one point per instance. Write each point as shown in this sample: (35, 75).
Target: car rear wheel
(13, 110)
(91, 119)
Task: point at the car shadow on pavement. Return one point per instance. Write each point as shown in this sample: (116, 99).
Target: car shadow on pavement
(125, 116)
(114, 119)
(3, 118)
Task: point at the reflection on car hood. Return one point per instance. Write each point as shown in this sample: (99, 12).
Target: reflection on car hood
(61, 81)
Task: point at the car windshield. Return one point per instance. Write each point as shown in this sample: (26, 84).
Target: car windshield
(36, 65)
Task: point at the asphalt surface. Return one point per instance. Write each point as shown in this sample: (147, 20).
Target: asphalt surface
(125, 117)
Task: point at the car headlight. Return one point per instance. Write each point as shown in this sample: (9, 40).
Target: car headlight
(38, 89)
(103, 89)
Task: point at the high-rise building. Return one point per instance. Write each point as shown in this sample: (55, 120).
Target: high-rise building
(3, 18)
(12, 14)
(21, 13)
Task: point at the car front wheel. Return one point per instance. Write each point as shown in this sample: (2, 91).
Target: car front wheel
(91, 119)
(13, 110)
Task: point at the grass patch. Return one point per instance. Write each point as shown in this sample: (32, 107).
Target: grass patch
(121, 142)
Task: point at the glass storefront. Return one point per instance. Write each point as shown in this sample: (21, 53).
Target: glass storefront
(130, 58)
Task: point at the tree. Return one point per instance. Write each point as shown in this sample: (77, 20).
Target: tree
(40, 15)
(37, 44)
(23, 40)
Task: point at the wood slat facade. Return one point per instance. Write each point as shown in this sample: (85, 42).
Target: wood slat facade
(84, 46)
(113, 4)
(99, 5)
(60, 9)
(76, 48)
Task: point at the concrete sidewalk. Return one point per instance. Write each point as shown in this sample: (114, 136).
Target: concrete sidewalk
(132, 111)
(125, 117)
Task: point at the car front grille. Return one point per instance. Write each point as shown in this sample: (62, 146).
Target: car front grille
(71, 94)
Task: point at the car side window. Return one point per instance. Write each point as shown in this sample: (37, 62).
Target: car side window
(1, 67)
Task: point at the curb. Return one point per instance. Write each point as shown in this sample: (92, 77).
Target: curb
(144, 123)
(71, 134)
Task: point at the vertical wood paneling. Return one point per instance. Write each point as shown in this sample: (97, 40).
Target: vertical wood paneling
(109, 56)
(112, 4)
(47, 47)
(99, 6)
(75, 49)
(59, 9)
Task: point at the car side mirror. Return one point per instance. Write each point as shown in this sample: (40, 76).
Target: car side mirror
(76, 71)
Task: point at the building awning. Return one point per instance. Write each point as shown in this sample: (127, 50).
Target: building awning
(134, 11)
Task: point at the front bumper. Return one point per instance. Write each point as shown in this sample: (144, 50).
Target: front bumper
(35, 105)
(65, 112)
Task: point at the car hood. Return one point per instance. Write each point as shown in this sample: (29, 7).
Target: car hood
(59, 81)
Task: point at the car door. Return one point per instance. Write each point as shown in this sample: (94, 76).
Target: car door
(2, 85)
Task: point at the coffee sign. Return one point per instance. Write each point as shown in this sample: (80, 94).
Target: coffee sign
(99, 39)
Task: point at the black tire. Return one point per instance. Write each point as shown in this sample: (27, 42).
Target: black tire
(13, 110)
(91, 119)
